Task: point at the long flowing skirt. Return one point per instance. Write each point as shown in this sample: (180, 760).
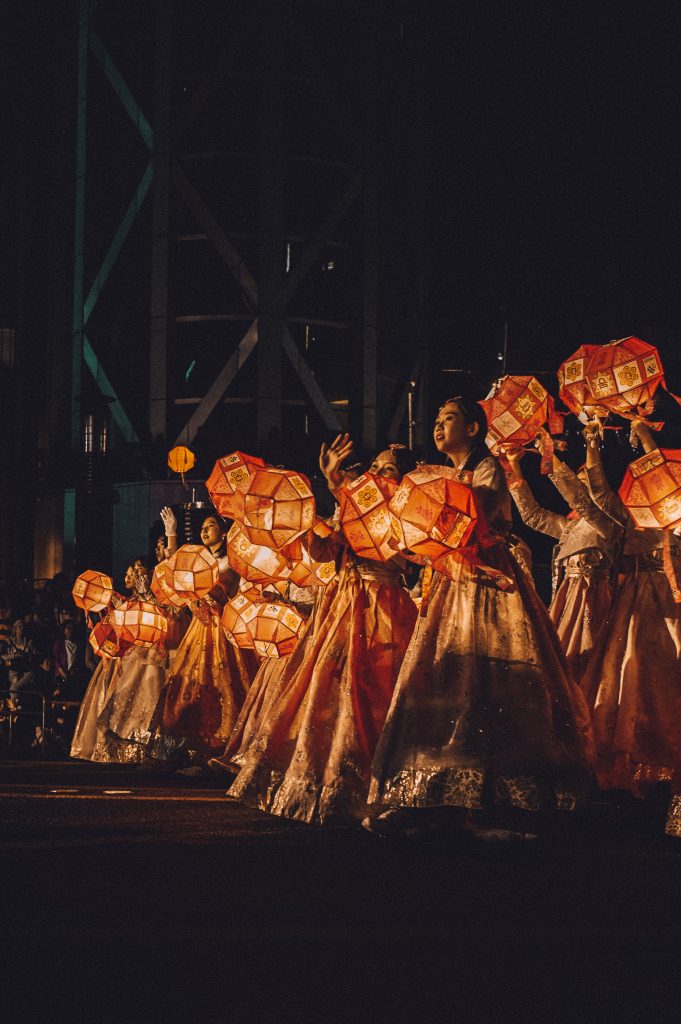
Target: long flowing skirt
(86, 735)
(312, 757)
(125, 723)
(207, 683)
(578, 612)
(484, 712)
(633, 685)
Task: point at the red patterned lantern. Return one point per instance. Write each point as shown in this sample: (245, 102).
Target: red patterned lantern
(517, 408)
(306, 571)
(161, 587)
(109, 639)
(278, 507)
(93, 591)
(144, 622)
(229, 480)
(433, 513)
(651, 489)
(237, 616)
(365, 517)
(254, 562)
(623, 376)
(275, 628)
(191, 573)
(572, 379)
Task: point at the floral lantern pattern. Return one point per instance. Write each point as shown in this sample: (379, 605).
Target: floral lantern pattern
(275, 628)
(229, 480)
(144, 623)
(623, 376)
(191, 573)
(517, 408)
(237, 616)
(93, 591)
(304, 570)
(573, 388)
(254, 562)
(278, 507)
(651, 489)
(161, 587)
(433, 513)
(365, 517)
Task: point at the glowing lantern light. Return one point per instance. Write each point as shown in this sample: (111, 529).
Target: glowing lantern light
(651, 489)
(517, 408)
(109, 639)
(278, 507)
(237, 616)
(365, 517)
(254, 562)
(623, 376)
(433, 513)
(573, 387)
(229, 480)
(162, 587)
(93, 591)
(181, 459)
(191, 573)
(143, 621)
(253, 591)
(306, 571)
(275, 628)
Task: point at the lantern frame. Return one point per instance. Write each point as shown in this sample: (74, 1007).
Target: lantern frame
(93, 591)
(365, 516)
(229, 480)
(433, 513)
(651, 489)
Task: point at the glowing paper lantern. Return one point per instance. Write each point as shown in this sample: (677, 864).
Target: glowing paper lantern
(651, 489)
(181, 459)
(623, 376)
(191, 573)
(278, 507)
(432, 512)
(365, 517)
(517, 408)
(572, 380)
(304, 570)
(229, 480)
(254, 562)
(144, 622)
(275, 628)
(109, 639)
(162, 589)
(93, 591)
(237, 616)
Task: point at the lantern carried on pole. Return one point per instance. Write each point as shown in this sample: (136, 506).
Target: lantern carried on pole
(651, 489)
(275, 628)
(254, 562)
(144, 622)
(93, 591)
(237, 616)
(433, 513)
(365, 516)
(229, 480)
(191, 573)
(278, 507)
(517, 408)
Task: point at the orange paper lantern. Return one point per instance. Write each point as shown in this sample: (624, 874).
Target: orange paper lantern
(278, 507)
(191, 573)
(161, 587)
(573, 387)
(181, 459)
(144, 622)
(517, 408)
(275, 628)
(93, 591)
(304, 570)
(365, 517)
(254, 562)
(433, 513)
(623, 376)
(237, 616)
(651, 489)
(109, 639)
(229, 480)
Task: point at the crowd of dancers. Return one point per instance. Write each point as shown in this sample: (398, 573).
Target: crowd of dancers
(460, 701)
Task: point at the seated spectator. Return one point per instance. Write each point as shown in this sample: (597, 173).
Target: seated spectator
(20, 660)
(68, 660)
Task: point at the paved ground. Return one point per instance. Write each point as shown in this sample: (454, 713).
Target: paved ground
(140, 897)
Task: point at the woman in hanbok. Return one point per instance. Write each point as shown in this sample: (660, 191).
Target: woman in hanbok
(633, 682)
(583, 557)
(312, 756)
(208, 677)
(485, 714)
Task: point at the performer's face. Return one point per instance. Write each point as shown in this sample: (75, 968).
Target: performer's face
(211, 532)
(129, 578)
(451, 432)
(384, 465)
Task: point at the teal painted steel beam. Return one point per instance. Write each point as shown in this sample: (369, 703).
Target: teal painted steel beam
(105, 386)
(120, 88)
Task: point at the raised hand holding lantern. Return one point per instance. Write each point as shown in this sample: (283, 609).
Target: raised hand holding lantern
(365, 516)
(517, 408)
(278, 507)
(229, 481)
(275, 628)
(93, 591)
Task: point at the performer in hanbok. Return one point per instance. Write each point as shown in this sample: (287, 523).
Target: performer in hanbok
(208, 678)
(583, 557)
(312, 756)
(485, 714)
(633, 682)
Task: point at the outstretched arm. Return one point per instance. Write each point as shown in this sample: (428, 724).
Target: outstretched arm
(170, 529)
(533, 515)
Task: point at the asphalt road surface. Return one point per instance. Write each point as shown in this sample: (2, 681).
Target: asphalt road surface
(131, 896)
